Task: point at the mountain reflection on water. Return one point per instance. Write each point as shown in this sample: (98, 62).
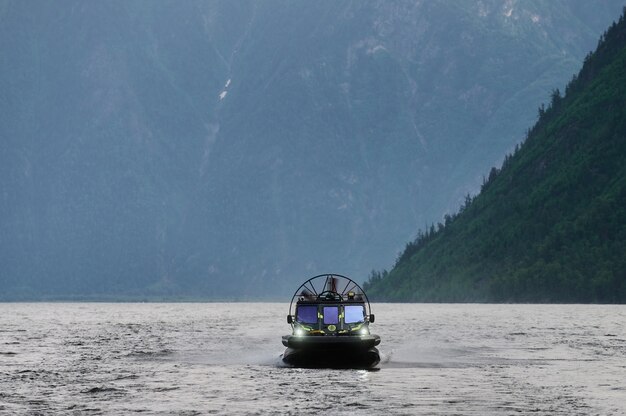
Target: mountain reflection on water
(223, 358)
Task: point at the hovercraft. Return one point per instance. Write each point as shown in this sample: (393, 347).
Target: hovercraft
(330, 317)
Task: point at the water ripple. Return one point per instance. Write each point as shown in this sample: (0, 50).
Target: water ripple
(188, 359)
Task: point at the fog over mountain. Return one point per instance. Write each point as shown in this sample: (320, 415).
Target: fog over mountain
(232, 148)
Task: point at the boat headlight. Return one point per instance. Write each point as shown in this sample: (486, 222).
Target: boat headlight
(298, 332)
(364, 331)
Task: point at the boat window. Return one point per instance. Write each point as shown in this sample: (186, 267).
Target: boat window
(307, 314)
(354, 313)
(331, 315)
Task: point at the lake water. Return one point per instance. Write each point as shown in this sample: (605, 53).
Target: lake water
(223, 358)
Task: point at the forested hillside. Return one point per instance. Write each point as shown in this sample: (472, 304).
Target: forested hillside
(550, 225)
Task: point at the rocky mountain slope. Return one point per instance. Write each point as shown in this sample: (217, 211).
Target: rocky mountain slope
(550, 226)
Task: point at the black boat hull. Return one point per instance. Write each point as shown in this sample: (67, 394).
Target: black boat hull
(331, 351)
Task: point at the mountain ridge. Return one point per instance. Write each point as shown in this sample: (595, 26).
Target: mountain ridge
(549, 225)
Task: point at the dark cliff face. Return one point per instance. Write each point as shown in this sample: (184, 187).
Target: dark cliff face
(217, 148)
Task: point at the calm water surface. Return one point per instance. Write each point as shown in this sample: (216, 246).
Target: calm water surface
(223, 358)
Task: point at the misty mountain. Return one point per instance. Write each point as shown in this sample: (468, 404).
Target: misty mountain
(550, 225)
(219, 149)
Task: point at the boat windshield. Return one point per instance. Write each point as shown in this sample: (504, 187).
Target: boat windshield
(354, 314)
(331, 315)
(307, 314)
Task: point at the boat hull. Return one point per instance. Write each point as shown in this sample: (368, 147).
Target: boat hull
(331, 351)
